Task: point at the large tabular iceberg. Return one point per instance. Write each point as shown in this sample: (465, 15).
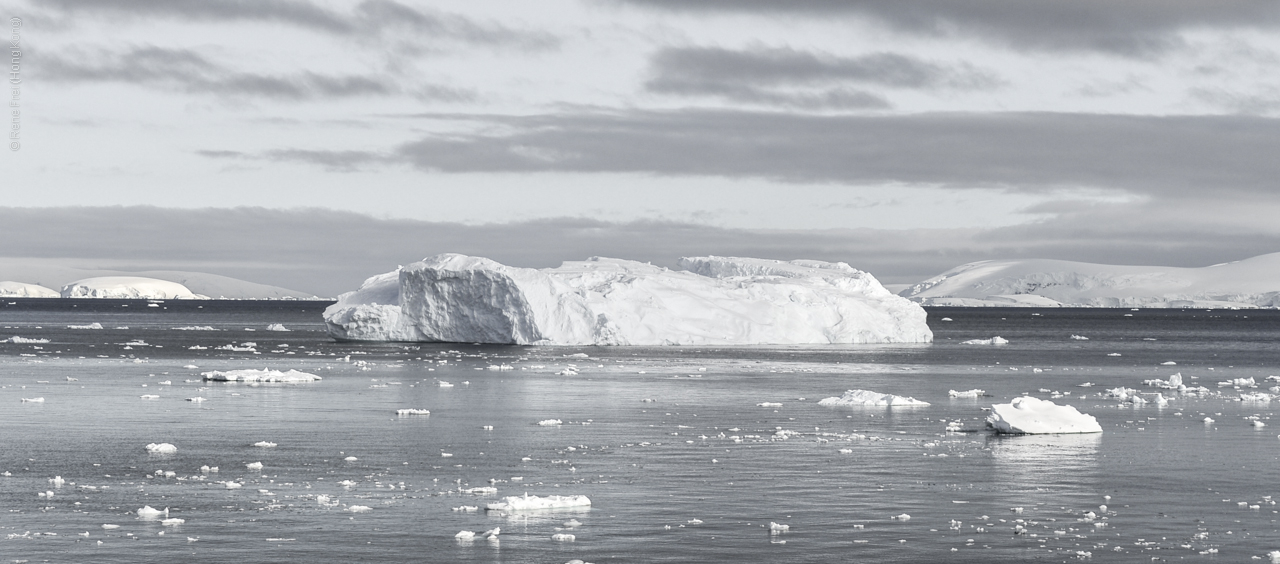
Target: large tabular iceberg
(9, 289)
(602, 301)
(1032, 416)
(128, 287)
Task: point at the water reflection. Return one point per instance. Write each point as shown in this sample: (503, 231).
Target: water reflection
(1045, 459)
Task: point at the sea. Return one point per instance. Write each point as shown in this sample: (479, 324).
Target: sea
(687, 454)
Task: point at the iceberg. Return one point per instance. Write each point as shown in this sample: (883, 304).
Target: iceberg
(128, 287)
(1032, 416)
(603, 301)
(161, 448)
(23, 340)
(867, 397)
(527, 502)
(264, 375)
(9, 289)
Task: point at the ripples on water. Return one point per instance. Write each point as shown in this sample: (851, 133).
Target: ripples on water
(696, 475)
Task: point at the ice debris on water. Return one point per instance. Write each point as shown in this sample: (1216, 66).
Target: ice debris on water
(255, 466)
(776, 528)
(161, 448)
(966, 393)
(550, 422)
(32, 400)
(1028, 415)
(528, 502)
(150, 513)
(563, 537)
(412, 411)
(903, 517)
(264, 375)
(359, 509)
(277, 327)
(264, 444)
(867, 397)
(997, 340)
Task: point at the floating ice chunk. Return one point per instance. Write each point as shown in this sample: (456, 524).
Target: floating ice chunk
(196, 328)
(550, 422)
(89, 326)
(172, 522)
(1173, 383)
(481, 490)
(277, 327)
(1080, 337)
(846, 451)
(1168, 363)
(22, 340)
(573, 523)
(529, 502)
(1255, 397)
(444, 384)
(412, 411)
(1028, 415)
(264, 444)
(150, 513)
(57, 481)
(467, 508)
(867, 397)
(32, 400)
(1208, 420)
(351, 459)
(196, 399)
(359, 509)
(1239, 383)
(1259, 424)
(769, 404)
(992, 341)
(563, 537)
(465, 535)
(966, 393)
(162, 448)
(232, 485)
(601, 301)
(255, 466)
(903, 517)
(109, 526)
(325, 500)
(264, 375)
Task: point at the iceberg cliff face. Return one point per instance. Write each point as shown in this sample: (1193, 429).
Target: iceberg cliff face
(601, 301)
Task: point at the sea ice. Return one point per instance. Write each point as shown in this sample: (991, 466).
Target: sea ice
(359, 509)
(255, 466)
(867, 397)
(264, 444)
(966, 394)
(997, 340)
(550, 422)
(89, 326)
(264, 375)
(1028, 415)
(161, 448)
(600, 301)
(23, 340)
(32, 400)
(277, 327)
(150, 513)
(412, 411)
(528, 502)
(563, 537)
(172, 522)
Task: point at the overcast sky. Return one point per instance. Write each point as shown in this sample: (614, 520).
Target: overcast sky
(310, 143)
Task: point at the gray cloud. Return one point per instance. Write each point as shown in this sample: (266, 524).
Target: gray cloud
(327, 252)
(1017, 151)
(1128, 27)
(371, 18)
(708, 69)
(187, 71)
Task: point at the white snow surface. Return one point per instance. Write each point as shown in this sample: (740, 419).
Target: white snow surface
(868, 397)
(10, 289)
(128, 287)
(527, 502)
(603, 301)
(264, 375)
(1033, 416)
(1253, 282)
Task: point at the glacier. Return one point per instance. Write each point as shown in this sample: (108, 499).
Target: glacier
(1248, 283)
(605, 301)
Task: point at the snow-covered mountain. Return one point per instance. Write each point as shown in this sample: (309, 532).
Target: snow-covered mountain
(10, 289)
(128, 288)
(45, 273)
(1253, 282)
(601, 301)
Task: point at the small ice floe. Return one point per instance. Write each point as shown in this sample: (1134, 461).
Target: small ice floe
(1208, 420)
(1257, 423)
(946, 319)
(277, 327)
(867, 397)
(351, 459)
(196, 328)
(264, 375)
(151, 514)
(412, 411)
(89, 326)
(502, 367)
(903, 517)
(149, 397)
(481, 490)
(1255, 397)
(1239, 383)
(232, 485)
(22, 340)
(778, 528)
(161, 448)
(32, 400)
(444, 384)
(1114, 354)
(207, 469)
(966, 393)
(172, 522)
(325, 501)
(992, 341)
(529, 502)
(359, 509)
(57, 481)
(465, 535)
(196, 399)
(109, 526)
(1168, 363)
(1080, 337)
(563, 537)
(1028, 415)
(45, 495)
(846, 451)
(347, 484)
(264, 444)
(1173, 383)
(467, 508)
(446, 455)
(769, 404)
(550, 422)
(255, 466)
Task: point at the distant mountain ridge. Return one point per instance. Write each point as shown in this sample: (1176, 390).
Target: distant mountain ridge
(1253, 282)
(203, 283)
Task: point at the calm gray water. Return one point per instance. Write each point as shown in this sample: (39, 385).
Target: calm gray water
(667, 480)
